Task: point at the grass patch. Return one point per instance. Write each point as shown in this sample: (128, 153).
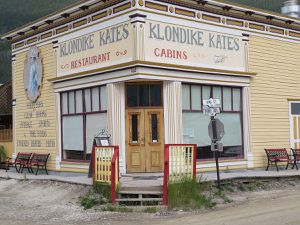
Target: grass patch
(89, 201)
(102, 189)
(187, 193)
(100, 194)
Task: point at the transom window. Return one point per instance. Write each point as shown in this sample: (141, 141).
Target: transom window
(195, 124)
(83, 116)
(144, 95)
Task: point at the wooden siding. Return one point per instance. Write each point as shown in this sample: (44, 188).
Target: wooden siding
(49, 105)
(277, 65)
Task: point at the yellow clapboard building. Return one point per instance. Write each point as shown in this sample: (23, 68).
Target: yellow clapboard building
(140, 70)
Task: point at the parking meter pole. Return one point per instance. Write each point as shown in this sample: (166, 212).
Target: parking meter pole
(216, 152)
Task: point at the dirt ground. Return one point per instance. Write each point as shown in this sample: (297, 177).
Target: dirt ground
(46, 202)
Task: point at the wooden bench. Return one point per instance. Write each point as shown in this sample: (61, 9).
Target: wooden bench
(22, 158)
(37, 160)
(296, 154)
(278, 155)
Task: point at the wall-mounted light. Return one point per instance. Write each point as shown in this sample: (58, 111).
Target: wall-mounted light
(14, 102)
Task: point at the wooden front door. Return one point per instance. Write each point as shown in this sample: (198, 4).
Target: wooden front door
(144, 130)
(144, 140)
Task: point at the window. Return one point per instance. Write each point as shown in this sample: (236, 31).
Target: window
(83, 117)
(195, 123)
(144, 95)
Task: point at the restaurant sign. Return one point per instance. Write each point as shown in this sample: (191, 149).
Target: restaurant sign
(102, 48)
(190, 46)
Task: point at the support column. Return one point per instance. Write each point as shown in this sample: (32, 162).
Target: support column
(173, 113)
(116, 119)
(247, 126)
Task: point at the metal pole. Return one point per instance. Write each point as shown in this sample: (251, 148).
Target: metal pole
(216, 152)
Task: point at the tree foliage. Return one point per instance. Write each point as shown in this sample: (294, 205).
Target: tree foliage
(271, 5)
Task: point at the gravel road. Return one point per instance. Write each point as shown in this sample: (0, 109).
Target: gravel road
(54, 203)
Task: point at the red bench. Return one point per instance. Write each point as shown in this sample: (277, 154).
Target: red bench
(296, 154)
(278, 155)
(21, 158)
(37, 160)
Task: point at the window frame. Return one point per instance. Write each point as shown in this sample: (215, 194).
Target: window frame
(241, 112)
(83, 114)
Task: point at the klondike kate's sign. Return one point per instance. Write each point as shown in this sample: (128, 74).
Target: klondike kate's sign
(163, 43)
(187, 46)
(106, 47)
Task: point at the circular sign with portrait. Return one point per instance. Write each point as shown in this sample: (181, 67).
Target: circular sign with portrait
(32, 74)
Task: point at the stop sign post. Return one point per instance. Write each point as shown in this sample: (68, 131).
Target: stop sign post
(215, 130)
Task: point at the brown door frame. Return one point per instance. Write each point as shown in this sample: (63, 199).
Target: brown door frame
(147, 153)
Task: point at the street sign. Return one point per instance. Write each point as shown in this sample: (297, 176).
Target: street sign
(216, 147)
(211, 111)
(220, 132)
(211, 102)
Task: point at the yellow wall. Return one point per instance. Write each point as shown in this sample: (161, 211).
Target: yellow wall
(8, 146)
(46, 108)
(277, 65)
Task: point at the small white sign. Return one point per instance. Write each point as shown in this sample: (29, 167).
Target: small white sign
(211, 111)
(211, 102)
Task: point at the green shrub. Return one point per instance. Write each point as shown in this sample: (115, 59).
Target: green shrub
(2, 153)
(102, 189)
(99, 194)
(186, 193)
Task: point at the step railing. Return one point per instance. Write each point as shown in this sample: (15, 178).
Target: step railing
(106, 167)
(180, 162)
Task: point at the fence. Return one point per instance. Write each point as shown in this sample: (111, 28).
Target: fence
(106, 167)
(180, 161)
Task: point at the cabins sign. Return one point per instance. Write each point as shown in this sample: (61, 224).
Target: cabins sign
(93, 50)
(190, 46)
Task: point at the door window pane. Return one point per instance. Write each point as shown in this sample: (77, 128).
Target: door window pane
(196, 97)
(154, 128)
(226, 99)
(144, 95)
(87, 98)
(155, 95)
(79, 101)
(134, 129)
(71, 102)
(132, 95)
(95, 123)
(95, 99)
(186, 97)
(236, 94)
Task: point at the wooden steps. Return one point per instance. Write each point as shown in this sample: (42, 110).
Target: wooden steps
(140, 190)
